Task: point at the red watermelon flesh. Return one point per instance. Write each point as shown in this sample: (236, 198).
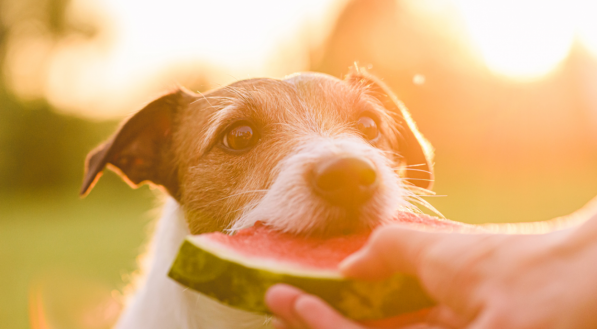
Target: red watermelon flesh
(237, 270)
(307, 251)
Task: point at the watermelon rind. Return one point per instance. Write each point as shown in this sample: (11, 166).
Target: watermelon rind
(236, 281)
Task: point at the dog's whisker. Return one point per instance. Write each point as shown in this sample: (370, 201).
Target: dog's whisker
(417, 170)
(434, 196)
(419, 190)
(413, 198)
(394, 153)
(415, 165)
(421, 179)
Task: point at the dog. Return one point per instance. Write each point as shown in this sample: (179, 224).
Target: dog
(307, 154)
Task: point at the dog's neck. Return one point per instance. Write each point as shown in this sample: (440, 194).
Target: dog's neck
(159, 302)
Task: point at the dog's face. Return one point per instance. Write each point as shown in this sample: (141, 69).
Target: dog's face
(308, 154)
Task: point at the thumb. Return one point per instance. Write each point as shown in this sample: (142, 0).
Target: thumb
(445, 262)
(390, 249)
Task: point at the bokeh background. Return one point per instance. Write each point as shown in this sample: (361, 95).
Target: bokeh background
(506, 91)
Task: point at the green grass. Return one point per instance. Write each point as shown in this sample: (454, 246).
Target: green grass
(483, 195)
(96, 239)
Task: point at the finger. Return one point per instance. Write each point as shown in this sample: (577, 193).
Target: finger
(390, 249)
(444, 316)
(316, 314)
(400, 321)
(448, 265)
(397, 248)
(280, 299)
(484, 321)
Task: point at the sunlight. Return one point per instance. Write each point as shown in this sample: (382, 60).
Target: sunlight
(145, 47)
(148, 45)
(522, 39)
(232, 33)
(587, 24)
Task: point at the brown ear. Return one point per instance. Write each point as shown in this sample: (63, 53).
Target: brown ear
(141, 149)
(415, 149)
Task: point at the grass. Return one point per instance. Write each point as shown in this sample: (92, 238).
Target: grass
(45, 236)
(484, 195)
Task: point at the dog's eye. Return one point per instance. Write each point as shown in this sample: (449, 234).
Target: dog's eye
(239, 137)
(368, 127)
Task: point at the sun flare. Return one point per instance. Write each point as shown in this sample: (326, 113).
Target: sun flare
(521, 39)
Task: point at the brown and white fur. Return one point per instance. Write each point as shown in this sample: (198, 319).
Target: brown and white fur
(300, 123)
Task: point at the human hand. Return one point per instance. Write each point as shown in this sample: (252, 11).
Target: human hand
(479, 280)
(296, 309)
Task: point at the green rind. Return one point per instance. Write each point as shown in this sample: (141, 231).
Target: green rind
(244, 287)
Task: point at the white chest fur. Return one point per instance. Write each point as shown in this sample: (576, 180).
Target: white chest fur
(159, 302)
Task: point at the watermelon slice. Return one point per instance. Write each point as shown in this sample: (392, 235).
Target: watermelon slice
(238, 269)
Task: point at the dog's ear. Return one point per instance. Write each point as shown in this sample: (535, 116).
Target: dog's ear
(140, 151)
(416, 150)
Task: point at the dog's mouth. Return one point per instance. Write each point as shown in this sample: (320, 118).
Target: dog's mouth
(316, 215)
(351, 221)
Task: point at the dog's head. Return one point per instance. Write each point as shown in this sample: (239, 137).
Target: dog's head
(306, 154)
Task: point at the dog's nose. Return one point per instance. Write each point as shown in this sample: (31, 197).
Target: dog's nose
(345, 181)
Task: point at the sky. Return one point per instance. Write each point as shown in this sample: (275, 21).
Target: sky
(144, 47)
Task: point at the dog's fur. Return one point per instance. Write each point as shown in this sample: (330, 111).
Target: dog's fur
(175, 143)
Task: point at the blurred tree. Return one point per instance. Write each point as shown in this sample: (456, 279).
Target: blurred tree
(39, 147)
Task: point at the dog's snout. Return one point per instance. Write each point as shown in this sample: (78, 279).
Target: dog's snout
(346, 181)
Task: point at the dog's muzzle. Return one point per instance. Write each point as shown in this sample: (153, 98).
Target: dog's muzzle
(345, 181)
